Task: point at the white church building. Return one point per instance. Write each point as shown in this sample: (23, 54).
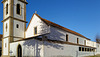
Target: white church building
(42, 38)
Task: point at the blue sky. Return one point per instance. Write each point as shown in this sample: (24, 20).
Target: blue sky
(82, 16)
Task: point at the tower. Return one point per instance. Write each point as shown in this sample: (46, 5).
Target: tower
(14, 23)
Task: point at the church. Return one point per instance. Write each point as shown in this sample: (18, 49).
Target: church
(42, 38)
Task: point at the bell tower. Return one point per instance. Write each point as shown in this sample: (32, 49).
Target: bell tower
(14, 23)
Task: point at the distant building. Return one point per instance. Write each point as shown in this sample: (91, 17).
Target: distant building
(42, 38)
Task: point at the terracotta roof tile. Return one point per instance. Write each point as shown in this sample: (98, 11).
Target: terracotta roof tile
(1, 37)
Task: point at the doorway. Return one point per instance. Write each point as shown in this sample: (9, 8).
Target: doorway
(19, 51)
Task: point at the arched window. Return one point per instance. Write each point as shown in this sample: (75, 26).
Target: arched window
(17, 26)
(6, 8)
(19, 51)
(66, 37)
(18, 9)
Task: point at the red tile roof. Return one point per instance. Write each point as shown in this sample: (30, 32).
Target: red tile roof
(1, 37)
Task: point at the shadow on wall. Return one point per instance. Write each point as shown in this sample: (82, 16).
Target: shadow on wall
(56, 35)
(31, 48)
(35, 46)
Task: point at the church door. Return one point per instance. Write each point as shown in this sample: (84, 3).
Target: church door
(19, 51)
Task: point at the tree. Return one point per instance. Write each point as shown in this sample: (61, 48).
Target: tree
(98, 38)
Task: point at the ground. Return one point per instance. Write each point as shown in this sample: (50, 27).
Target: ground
(94, 56)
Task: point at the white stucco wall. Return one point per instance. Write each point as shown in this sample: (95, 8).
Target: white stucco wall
(30, 48)
(42, 28)
(98, 48)
(18, 32)
(34, 47)
(90, 43)
(6, 33)
(63, 50)
(58, 34)
(5, 48)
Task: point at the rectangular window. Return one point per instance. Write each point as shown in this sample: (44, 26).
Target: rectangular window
(18, 9)
(66, 37)
(6, 9)
(35, 30)
(85, 49)
(79, 48)
(88, 49)
(82, 48)
(77, 40)
(92, 50)
(84, 42)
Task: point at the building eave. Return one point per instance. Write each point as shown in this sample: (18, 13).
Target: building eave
(53, 41)
(23, 1)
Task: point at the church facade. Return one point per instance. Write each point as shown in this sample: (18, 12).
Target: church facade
(42, 38)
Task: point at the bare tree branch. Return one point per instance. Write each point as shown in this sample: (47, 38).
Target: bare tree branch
(98, 38)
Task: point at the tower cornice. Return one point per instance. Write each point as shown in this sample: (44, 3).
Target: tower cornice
(18, 0)
(14, 19)
(23, 1)
(4, 1)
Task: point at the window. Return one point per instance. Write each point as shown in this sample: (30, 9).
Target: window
(6, 9)
(17, 26)
(85, 49)
(84, 42)
(35, 30)
(92, 49)
(82, 48)
(77, 40)
(18, 9)
(79, 48)
(66, 37)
